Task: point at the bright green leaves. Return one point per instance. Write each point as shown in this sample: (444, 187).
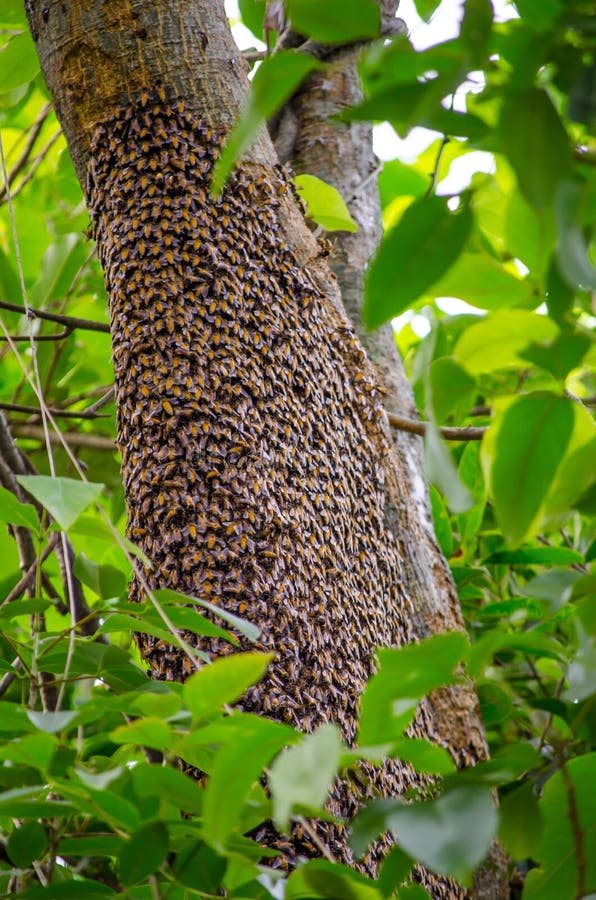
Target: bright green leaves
(248, 745)
(224, 681)
(536, 145)
(499, 341)
(27, 843)
(450, 834)
(301, 777)
(403, 677)
(319, 879)
(19, 62)
(520, 822)
(413, 256)
(526, 446)
(572, 251)
(335, 21)
(567, 850)
(143, 853)
(275, 82)
(64, 498)
(16, 513)
(324, 204)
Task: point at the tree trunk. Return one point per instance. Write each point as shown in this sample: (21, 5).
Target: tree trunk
(258, 466)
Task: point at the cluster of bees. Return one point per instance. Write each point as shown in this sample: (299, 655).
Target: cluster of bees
(245, 420)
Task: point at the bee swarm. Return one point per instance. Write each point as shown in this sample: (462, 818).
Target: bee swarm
(245, 421)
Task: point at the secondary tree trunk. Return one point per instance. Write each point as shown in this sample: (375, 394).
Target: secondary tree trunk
(258, 466)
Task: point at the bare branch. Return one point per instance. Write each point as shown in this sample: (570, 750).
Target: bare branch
(71, 322)
(73, 438)
(89, 413)
(26, 152)
(34, 166)
(468, 433)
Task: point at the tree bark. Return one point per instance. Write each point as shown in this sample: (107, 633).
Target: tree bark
(257, 460)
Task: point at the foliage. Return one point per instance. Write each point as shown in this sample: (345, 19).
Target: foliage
(92, 799)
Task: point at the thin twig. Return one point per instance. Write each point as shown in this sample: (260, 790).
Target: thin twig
(59, 318)
(35, 165)
(467, 433)
(319, 844)
(29, 575)
(59, 336)
(434, 175)
(71, 438)
(26, 152)
(89, 413)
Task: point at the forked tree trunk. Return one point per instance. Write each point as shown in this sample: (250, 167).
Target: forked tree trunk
(258, 466)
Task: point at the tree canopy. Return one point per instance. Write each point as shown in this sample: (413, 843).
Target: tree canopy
(92, 801)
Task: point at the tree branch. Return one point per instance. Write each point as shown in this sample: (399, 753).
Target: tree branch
(75, 439)
(26, 153)
(90, 413)
(71, 322)
(468, 433)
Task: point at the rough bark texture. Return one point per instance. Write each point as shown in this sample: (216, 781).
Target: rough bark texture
(258, 465)
(309, 136)
(342, 155)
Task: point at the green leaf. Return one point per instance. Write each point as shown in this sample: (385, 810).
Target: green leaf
(52, 722)
(140, 856)
(482, 281)
(441, 470)
(24, 608)
(27, 843)
(223, 681)
(536, 144)
(146, 732)
(572, 250)
(395, 868)
(529, 236)
(535, 556)
(426, 8)
(160, 705)
(423, 756)
(520, 822)
(526, 446)
(567, 851)
(403, 677)
(168, 783)
(560, 357)
(452, 388)
(335, 21)
(19, 62)
(399, 180)
(540, 15)
(301, 777)
(319, 878)
(253, 742)
(497, 341)
(105, 580)
(64, 498)
(34, 750)
(61, 262)
(324, 204)
(441, 522)
(198, 867)
(246, 628)
(450, 835)
(13, 511)
(413, 256)
(276, 80)
(253, 13)
(475, 29)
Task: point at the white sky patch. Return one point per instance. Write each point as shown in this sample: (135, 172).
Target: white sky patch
(453, 306)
